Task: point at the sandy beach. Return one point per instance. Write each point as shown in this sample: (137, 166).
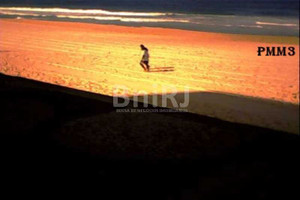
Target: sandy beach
(226, 78)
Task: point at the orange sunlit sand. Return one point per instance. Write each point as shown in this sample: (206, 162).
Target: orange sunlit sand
(225, 76)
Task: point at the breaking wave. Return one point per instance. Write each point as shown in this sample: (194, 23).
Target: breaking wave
(81, 11)
(94, 14)
(123, 19)
(199, 22)
(275, 24)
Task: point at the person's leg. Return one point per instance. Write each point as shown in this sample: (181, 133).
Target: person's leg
(148, 66)
(143, 66)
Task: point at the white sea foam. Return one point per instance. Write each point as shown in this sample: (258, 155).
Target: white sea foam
(18, 13)
(275, 24)
(82, 11)
(123, 19)
(90, 17)
(250, 26)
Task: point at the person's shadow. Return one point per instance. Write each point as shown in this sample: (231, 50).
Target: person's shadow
(162, 69)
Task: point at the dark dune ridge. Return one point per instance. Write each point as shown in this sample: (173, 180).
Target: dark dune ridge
(56, 138)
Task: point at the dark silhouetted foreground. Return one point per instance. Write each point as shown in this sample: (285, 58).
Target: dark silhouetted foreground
(56, 139)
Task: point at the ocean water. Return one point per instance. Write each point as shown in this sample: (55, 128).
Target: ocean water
(260, 17)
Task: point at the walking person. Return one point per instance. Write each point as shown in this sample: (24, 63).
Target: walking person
(145, 59)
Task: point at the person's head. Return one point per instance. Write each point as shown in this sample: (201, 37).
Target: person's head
(143, 47)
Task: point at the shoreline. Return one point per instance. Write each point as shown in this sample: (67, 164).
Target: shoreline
(278, 39)
(293, 37)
